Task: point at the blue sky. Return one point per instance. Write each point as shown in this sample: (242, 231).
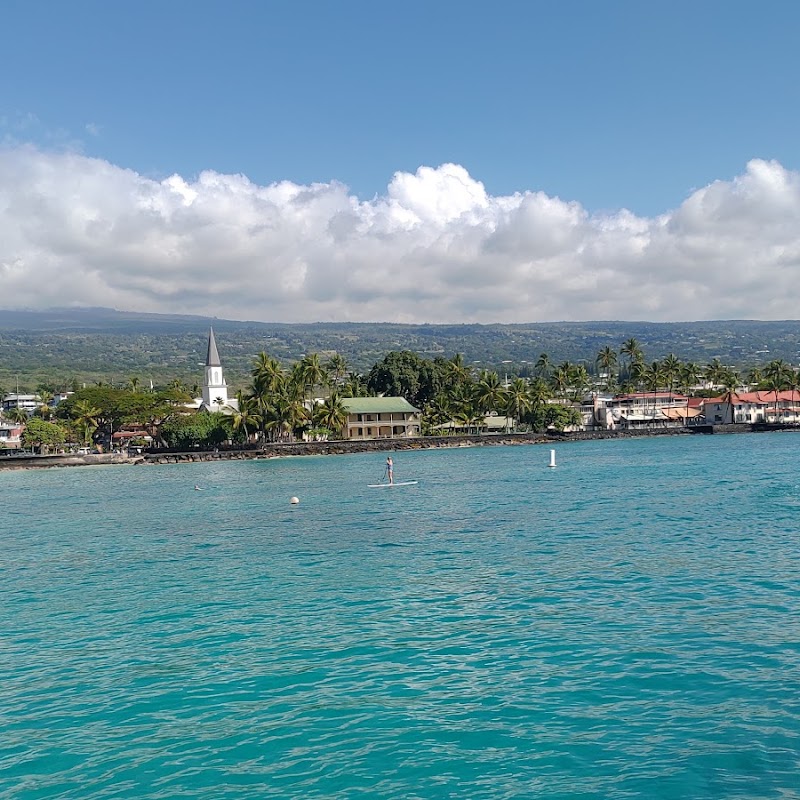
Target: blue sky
(612, 104)
(607, 105)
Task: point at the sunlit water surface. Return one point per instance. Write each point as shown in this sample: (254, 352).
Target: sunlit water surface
(626, 625)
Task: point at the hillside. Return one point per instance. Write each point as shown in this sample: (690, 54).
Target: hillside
(62, 345)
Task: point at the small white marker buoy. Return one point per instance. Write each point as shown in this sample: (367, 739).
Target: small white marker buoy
(552, 459)
(294, 500)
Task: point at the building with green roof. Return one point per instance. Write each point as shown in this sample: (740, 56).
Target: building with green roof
(381, 418)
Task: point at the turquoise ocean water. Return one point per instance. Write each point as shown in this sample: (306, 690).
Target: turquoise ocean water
(626, 625)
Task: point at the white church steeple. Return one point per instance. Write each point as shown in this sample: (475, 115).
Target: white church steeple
(215, 389)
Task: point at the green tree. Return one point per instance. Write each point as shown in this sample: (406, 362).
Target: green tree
(606, 361)
(688, 377)
(729, 380)
(85, 416)
(336, 369)
(17, 415)
(41, 435)
(354, 386)
(312, 372)
(245, 417)
(561, 380)
(671, 370)
(543, 365)
(776, 377)
(633, 352)
(331, 414)
(192, 431)
(489, 392)
(406, 374)
(654, 378)
(518, 400)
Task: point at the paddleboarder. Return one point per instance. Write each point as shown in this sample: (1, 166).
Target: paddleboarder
(390, 469)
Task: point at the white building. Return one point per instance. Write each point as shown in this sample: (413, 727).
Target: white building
(27, 402)
(215, 387)
(783, 407)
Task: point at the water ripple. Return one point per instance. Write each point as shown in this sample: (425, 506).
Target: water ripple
(584, 633)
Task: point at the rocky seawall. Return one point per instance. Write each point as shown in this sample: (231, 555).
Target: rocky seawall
(65, 460)
(382, 445)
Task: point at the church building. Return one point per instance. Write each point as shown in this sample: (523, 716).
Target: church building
(215, 388)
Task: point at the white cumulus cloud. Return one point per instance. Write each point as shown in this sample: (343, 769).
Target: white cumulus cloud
(436, 247)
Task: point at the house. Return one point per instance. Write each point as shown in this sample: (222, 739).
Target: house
(643, 409)
(381, 418)
(10, 434)
(773, 407)
(27, 402)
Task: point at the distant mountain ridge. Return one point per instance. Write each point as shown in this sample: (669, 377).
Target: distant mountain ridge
(100, 343)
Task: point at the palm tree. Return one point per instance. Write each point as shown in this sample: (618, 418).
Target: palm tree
(489, 392)
(654, 377)
(561, 379)
(729, 380)
(439, 411)
(543, 365)
(688, 377)
(606, 360)
(284, 416)
(133, 383)
(579, 381)
(632, 350)
(714, 371)
(776, 374)
(245, 416)
(754, 376)
(518, 400)
(312, 372)
(265, 372)
(336, 367)
(44, 409)
(18, 415)
(671, 368)
(86, 417)
(354, 386)
(793, 384)
(331, 414)
(638, 373)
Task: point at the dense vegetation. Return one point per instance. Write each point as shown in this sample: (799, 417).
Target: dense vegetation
(67, 348)
(281, 404)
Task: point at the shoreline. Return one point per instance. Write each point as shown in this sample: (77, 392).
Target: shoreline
(279, 450)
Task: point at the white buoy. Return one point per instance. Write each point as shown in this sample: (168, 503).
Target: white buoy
(294, 500)
(552, 459)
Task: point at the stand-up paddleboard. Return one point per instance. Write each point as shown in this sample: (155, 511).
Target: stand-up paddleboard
(396, 483)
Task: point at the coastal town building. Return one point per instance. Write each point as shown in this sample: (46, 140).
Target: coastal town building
(215, 387)
(381, 418)
(10, 434)
(749, 407)
(642, 409)
(27, 402)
